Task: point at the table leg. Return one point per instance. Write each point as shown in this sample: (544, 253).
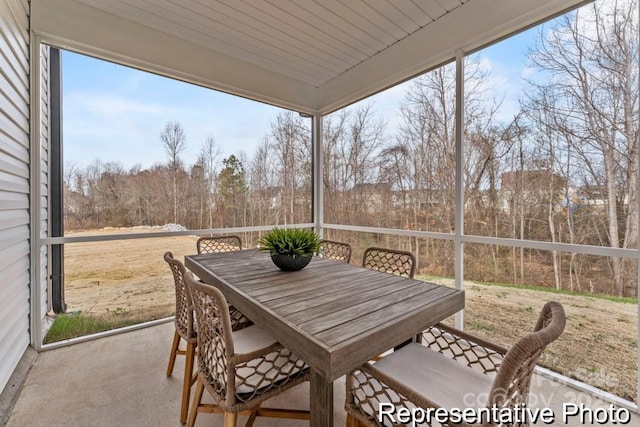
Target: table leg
(321, 400)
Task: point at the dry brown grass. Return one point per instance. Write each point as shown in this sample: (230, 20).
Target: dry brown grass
(598, 346)
(123, 277)
(130, 278)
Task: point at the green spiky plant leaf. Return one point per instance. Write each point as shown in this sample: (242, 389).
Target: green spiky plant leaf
(290, 241)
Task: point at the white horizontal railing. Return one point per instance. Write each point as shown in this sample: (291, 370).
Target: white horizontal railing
(497, 241)
(156, 234)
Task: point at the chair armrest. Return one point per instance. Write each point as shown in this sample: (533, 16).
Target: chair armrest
(397, 392)
(465, 348)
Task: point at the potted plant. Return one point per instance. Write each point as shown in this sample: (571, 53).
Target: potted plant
(291, 249)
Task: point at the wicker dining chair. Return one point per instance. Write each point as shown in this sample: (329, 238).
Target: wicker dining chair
(184, 330)
(338, 251)
(211, 244)
(240, 369)
(401, 263)
(230, 243)
(451, 369)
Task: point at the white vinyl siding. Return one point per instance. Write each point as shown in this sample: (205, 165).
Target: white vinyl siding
(14, 184)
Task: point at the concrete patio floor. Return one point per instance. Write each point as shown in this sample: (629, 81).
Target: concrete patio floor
(120, 381)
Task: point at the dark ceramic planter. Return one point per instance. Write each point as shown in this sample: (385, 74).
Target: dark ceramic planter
(290, 263)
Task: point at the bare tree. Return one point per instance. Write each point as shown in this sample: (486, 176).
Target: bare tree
(428, 131)
(589, 61)
(334, 132)
(427, 137)
(353, 139)
(290, 143)
(174, 139)
(262, 178)
(208, 158)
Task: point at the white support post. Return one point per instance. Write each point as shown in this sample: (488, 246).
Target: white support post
(638, 266)
(318, 194)
(459, 183)
(35, 191)
(638, 263)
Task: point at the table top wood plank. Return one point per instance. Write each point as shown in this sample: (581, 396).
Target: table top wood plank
(357, 350)
(354, 307)
(311, 280)
(334, 297)
(400, 309)
(257, 275)
(291, 292)
(263, 274)
(344, 278)
(227, 261)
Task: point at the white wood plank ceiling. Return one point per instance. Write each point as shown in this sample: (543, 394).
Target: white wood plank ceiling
(308, 55)
(310, 41)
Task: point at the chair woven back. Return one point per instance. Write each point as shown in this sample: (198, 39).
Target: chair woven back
(513, 380)
(401, 263)
(184, 310)
(338, 251)
(207, 245)
(231, 243)
(215, 342)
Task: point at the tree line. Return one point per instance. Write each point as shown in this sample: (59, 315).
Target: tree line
(563, 168)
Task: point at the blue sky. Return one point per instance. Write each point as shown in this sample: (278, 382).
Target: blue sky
(117, 113)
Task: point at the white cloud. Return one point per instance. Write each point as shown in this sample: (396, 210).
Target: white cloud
(120, 128)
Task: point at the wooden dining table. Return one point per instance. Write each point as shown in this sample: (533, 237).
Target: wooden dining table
(335, 316)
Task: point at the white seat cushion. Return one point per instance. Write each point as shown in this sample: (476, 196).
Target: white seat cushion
(250, 339)
(439, 378)
(263, 371)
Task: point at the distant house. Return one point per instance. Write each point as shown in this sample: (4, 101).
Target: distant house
(531, 180)
(592, 195)
(534, 187)
(374, 196)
